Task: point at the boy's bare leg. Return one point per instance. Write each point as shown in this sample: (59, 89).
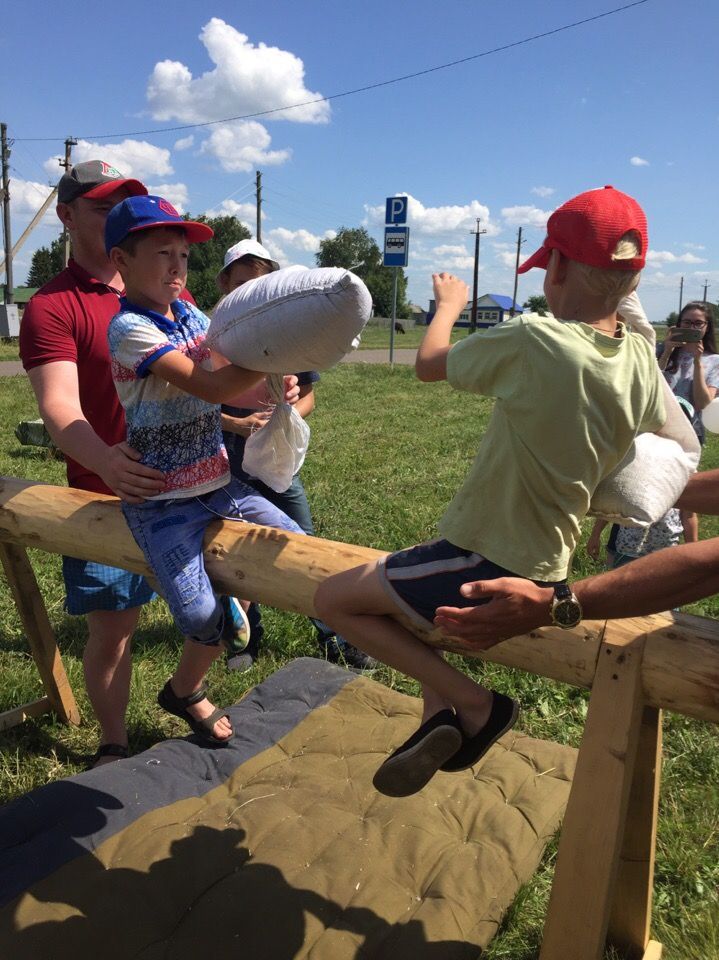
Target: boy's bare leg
(107, 664)
(356, 604)
(195, 661)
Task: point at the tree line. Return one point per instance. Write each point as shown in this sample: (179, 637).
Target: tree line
(352, 248)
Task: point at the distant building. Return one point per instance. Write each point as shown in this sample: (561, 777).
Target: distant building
(20, 296)
(491, 308)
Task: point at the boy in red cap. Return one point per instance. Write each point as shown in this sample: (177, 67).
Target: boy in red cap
(571, 395)
(163, 373)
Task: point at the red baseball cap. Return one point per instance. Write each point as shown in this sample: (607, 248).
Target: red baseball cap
(588, 227)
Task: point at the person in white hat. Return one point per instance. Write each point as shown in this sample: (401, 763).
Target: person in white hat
(245, 261)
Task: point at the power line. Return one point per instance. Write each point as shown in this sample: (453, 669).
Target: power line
(350, 93)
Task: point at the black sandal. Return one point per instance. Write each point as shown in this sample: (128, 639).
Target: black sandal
(116, 750)
(177, 706)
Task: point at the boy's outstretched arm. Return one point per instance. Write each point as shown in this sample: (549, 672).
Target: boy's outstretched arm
(451, 297)
(214, 386)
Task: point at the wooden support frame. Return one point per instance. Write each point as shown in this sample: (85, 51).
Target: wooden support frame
(604, 874)
(43, 646)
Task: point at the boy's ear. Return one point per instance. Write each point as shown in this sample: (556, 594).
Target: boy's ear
(118, 259)
(557, 267)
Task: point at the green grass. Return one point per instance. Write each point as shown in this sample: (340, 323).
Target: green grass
(387, 453)
(377, 338)
(9, 349)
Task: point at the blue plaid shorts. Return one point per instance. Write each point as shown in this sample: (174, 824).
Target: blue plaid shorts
(93, 586)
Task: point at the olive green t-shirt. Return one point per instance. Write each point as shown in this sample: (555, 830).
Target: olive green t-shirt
(570, 400)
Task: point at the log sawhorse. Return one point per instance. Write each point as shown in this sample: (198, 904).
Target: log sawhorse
(603, 879)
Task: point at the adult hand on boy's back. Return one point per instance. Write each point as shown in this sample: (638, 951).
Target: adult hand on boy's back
(450, 291)
(131, 480)
(515, 606)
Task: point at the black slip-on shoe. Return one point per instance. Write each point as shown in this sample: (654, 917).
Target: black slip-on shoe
(502, 717)
(413, 765)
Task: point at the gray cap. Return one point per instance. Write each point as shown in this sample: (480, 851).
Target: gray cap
(95, 179)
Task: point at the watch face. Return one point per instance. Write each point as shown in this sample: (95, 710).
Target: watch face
(567, 613)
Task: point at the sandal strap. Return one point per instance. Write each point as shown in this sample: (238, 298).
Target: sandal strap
(183, 702)
(207, 724)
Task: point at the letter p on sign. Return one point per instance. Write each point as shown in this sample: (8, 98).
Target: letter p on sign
(396, 210)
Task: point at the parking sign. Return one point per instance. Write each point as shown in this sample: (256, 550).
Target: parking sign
(396, 246)
(396, 210)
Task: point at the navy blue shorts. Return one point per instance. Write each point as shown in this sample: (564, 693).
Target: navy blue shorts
(429, 576)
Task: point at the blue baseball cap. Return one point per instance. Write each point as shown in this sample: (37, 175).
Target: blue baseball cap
(141, 213)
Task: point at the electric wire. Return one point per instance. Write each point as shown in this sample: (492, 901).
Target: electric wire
(356, 90)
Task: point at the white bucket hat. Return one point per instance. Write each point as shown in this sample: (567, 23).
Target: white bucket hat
(248, 248)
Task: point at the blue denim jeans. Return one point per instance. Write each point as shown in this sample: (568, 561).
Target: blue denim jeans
(170, 535)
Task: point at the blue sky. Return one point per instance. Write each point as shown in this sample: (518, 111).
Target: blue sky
(629, 100)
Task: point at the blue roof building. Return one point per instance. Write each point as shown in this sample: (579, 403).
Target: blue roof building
(491, 308)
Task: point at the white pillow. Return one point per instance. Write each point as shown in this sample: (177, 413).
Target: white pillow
(649, 480)
(291, 320)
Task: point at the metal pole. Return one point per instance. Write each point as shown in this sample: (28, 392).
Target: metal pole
(258, 199)
(681, 293)
(6, 213)
(394, 317)
(706, 284)
(516, 274)
(67, 164)
(477, 233)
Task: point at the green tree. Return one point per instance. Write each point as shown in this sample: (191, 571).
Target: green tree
(537, 304)
(46, 263)
(206, 259)
(672, 319)
(354, 249)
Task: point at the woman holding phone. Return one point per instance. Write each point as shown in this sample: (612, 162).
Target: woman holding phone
(690, 363)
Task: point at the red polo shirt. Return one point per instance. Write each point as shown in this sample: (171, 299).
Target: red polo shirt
(67, 319)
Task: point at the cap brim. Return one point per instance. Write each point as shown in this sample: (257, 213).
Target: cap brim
(195, 232)
(135, 188)
(540, 258)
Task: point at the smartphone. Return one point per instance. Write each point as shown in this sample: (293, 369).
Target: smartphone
(687, 335)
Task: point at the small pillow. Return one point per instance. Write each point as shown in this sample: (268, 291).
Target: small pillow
(292, 319)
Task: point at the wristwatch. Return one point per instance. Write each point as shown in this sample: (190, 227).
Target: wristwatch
(566, 610)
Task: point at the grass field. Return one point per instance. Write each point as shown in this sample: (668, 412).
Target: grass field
(380, 480)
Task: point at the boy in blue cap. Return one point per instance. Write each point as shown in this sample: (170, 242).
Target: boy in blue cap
(163, 373)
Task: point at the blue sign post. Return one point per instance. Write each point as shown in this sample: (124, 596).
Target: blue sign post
(396, 249)
(396, 246)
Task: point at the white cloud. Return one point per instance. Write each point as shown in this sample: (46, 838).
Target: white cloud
(543, 191)
(638, 162)
(26, 198)
(176, 193)
(694, 246)
(184, 143)
(656, 257)
(245, 79)
(437, 220)
(242, 146)
(133, 158)
(247, 212)
(526, 216)
(300, 239)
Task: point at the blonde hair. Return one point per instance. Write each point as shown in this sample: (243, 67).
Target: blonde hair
(613, 285)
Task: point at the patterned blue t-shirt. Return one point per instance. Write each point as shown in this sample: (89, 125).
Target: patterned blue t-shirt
(172, 430)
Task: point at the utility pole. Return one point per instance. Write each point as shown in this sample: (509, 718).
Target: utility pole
(477, 234)
(67, 164)
(516, 273)
(6, 212)
(258, 196)
(681, 293)
(706, 284)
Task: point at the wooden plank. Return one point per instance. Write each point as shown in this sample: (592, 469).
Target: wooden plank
(593, 828)
(30, 605)
(654, 951)
(630, 918)
(11, 718)
(681, 661)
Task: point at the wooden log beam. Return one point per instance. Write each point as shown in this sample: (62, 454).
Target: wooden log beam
(680, 670)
